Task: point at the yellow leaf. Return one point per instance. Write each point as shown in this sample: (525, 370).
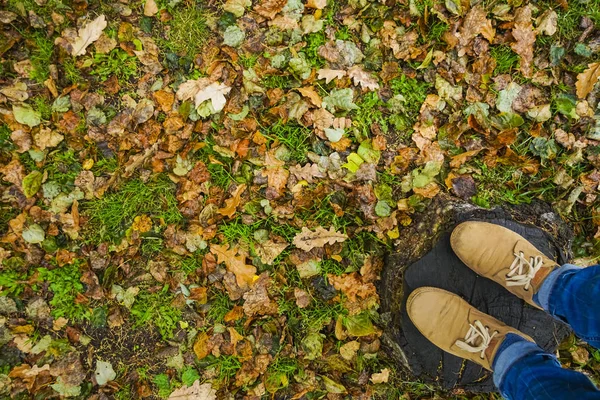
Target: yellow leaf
(587, 79)
(244, 274)
(200, 346)
(232, 203)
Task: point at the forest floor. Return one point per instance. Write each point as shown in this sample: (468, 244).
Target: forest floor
(196, 196)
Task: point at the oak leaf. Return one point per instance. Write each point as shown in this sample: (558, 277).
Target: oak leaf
(310, 93)
(87, 35)
(525, 39)
(475, 23)
(330, 74)
(307, 240)
(202, 90)
(587, 79)
(195, 392)
(270, 8)
(235, 263)
(363, 78)
(232, 203)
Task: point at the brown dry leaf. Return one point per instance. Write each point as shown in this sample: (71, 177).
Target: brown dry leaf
(546, 23)
(270, 8)
(363, 78)
(276, 175)
(235, 263)
(381, 377)
(269, 250)
(194, 392)
(462, 158)
(524, 35)
(348, 350)
(150, 8)
(587, 79)
(322, 119)
(201, 346)
(232, 203)
(87, 35)
(307, 240)
(310, 93)
(302, 298)
(257, 301)
(352, 286)
(475, 23)
(47, 138)
(330, 74)
(307, 173)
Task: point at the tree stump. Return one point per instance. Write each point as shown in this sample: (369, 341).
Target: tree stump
(423, 257)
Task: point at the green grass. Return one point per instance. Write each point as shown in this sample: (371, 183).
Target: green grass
(155, 309)
(41, 56)
(6, 144)
(71, 72)
(64, 282)
(569, 19)
(276, 81)
(63, 167)
(313, 42)
(111, 215)
(280, 372)
(506, 59)
(296, 139)
(220, 304)
(43, 106)
(188, 30)
(507, 184)
(117, 63)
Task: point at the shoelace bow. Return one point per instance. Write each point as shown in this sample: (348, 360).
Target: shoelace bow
(523, 271)
(477, 330)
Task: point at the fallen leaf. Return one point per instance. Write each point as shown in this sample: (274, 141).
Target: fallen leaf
(257, 300)
(47, 138)
(269, 250)
(363, 78)
(26, 115)
(524, 35)
(330, 74)
(104, 372)
(302, 298)
(150, 8)
(310, 93)
(307, 240)
(348, 350)
(546, 23)
(235, 263)
(475, 23)
(195, 392)
(202, 90)
(270, 8)
(587, 79)
(232, 202)
(381, 377)
(87, 35)
(318, 4)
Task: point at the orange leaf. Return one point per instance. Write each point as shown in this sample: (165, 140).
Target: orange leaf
(244, 274)
(232, 203)
(587, 79)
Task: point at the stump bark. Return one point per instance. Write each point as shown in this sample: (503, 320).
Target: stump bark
(423, 257)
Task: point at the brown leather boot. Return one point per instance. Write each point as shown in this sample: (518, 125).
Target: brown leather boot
(503, 256)
(456, 327)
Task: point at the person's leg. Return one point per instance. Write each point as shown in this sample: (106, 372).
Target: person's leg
(522, 370)
(571, 294)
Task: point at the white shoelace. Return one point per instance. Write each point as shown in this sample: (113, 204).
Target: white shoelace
(476, 331)
(523, 271)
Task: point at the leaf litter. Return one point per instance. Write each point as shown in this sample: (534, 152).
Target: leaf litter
(197, 197)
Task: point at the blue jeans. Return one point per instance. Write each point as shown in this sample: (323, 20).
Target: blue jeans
(522, 370)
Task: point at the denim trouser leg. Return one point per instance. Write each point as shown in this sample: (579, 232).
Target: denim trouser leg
(522, 370)
(571, 294)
